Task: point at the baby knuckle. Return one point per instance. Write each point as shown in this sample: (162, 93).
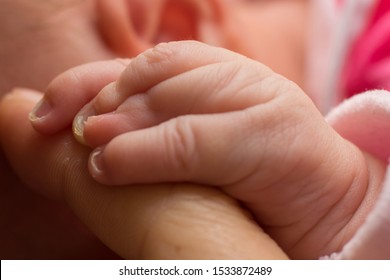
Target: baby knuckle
(172, 51)
(181, 142)
(159, 53)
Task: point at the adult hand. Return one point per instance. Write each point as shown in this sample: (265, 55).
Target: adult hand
(34, 227)
(172, 221)
(189, 112)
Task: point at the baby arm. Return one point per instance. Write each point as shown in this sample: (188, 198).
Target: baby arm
(187, 112)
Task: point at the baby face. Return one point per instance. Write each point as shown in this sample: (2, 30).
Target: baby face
(54, 35)
(272, 32)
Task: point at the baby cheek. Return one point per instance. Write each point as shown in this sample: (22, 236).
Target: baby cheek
(273, 32)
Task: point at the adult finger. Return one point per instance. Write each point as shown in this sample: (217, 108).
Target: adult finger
(160, 221)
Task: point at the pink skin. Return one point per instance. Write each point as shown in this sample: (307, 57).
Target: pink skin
(36, 49)
(187, 112)
(158, 221)
(51, 36)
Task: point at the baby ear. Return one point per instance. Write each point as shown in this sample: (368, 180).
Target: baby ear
(131, 26)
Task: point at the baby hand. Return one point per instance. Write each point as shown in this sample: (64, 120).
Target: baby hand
(187, 112)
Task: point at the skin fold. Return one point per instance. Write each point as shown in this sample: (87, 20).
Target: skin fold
(109, 215)
(171, 221)
(187, 112)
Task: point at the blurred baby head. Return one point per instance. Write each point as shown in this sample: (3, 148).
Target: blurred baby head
(42, 38)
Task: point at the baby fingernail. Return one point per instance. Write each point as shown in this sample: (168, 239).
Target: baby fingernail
(79, 123)
(96, 162)
(41, 110)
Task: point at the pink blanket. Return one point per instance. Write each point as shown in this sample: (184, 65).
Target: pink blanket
(359, 75)
(365, 121)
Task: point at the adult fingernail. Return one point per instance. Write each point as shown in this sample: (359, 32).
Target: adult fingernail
(96, 162)
(79, 123)
(41, 110)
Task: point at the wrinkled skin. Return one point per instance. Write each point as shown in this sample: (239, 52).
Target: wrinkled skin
(32, 53)
(187, 112)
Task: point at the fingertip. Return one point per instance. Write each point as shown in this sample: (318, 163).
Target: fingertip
(96, 165)
(78, 129)
(11, 102)
(40, 108)
(99, 168)
(69, 92)
(14, 108)
(39, 112)
(78, 125)
(24, 95)
(41, 119)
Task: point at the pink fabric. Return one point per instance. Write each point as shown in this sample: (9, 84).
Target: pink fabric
(368, 64)
(365, 120)
(335, 26)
